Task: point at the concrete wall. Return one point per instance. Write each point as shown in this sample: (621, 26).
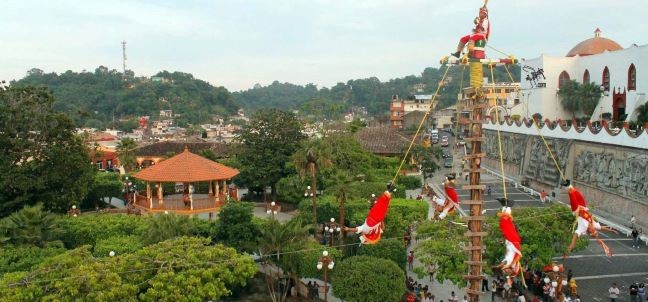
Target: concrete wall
(613, 178)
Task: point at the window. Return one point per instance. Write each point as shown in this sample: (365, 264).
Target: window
(632, 77)
(606, 79)
(563, 78)
(100, 165)
(586, 77)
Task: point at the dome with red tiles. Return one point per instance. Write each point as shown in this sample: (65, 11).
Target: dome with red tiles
(594, 46)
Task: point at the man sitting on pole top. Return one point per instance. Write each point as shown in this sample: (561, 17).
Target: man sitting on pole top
(510, 266)
(477, 40)
(447, 205)
(585, 221)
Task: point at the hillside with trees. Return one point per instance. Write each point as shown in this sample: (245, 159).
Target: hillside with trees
(95, 99)
(370, 93)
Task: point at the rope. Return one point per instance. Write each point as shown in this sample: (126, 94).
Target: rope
(458, 114)
(499, 138)
(537, 126)
(420, 125)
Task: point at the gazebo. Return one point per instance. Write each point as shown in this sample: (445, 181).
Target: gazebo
(186, 168)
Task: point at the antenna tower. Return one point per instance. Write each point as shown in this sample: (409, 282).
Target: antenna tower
(124, 56)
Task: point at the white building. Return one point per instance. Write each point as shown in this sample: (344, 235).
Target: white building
(621, 72)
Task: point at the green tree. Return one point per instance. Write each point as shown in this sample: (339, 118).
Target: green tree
(589, 95)
(394, 250)
(41, 157)
(308, 160)
(356, 125)
(340, 188)
(267, 143)
(575, 97)
(181, 269)
(105, 185)
(235, 227)
(31, 226)
(350, 277)
(167, 226)
(24, 258)
(642, 114)
(569, 96)
(126, 150)
(427, 159)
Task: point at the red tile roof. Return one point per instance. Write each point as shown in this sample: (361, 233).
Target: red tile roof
(186, 167)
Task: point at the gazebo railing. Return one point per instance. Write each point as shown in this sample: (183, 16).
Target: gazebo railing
(177, 203)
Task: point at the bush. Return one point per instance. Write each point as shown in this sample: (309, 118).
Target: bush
(24, 258)
(364, 278)
(408, 182)
(402, 212)
(119, 244)
(393, 250)
(88, 229)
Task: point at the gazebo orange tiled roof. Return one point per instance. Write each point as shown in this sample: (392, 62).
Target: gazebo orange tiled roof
(186, 168)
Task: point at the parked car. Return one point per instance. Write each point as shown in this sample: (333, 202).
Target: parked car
(448, 162)
(444, 141)
(446, 154)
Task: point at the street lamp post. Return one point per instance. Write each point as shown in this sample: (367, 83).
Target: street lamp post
(326, 263)
(372, 200)
(556, 279)
(333, 229)
(273, 209)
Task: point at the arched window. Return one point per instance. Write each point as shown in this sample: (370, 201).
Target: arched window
(606, 79)
(586, 77)
(632, 77)
(563, 78)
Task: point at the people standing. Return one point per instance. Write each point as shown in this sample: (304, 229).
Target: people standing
(635, 237)
(543, 196)
(493, 290)
(614, 292)
(634, 291)
(430, 270)
(484, 287)
(642, 292)
(410, 260)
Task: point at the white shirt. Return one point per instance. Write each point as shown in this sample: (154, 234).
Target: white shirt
(521, 299)
(614, 292)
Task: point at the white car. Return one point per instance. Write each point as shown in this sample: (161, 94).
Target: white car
(444, 141)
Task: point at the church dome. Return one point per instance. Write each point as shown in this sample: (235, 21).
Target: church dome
(594, 46)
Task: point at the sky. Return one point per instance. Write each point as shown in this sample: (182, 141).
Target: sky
(240, 43)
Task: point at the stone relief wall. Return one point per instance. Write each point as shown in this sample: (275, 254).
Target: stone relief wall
(541, 167)
(513, 146)
(625, 175)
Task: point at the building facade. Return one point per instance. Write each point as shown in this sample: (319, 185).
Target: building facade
(398, 108)
(619, 71)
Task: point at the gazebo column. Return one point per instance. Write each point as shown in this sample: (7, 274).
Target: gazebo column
(160, 194)
(148, 194)
(191, 189)
(217, 192)
(210, 188)
(225, 189)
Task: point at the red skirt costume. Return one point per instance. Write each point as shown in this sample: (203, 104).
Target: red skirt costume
(371, 230)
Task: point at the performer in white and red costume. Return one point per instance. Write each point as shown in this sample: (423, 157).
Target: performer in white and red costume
(447, 205)
(511, 263)
(372, 228)
(585, 221)
(480, 34)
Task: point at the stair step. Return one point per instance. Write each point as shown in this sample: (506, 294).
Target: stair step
(473, 187)
(473, 218)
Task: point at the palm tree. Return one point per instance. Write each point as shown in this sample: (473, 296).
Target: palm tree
(277, 238)
(313, 156)
(31, 226)
(340, 189)
(126, 150)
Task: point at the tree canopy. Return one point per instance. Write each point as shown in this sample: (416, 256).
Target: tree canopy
(576, 97)
(99, 98)
(41, 157)
(364, 278)
(267, 144)
(181, 269)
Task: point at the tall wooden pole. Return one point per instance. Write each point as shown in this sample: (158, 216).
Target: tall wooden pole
(476, 104)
